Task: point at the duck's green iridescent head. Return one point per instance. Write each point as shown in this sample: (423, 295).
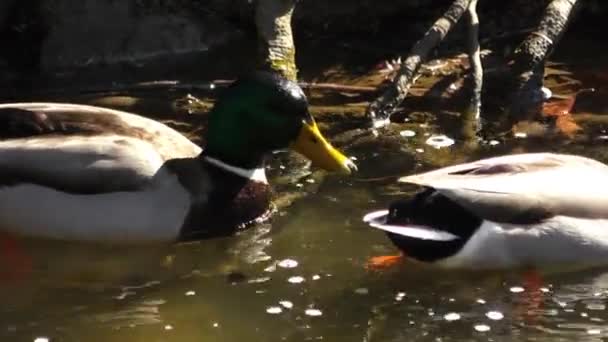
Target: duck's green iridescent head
(264, 112)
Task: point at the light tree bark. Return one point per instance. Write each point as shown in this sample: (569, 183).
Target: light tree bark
(276, 47)
(472, 115)
(529, 59)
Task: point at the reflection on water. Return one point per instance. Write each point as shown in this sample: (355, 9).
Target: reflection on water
(303, 276)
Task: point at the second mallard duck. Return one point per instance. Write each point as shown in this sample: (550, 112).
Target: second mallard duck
(536, 209)
(74, 172)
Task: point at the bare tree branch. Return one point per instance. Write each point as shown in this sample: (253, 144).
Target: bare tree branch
(472, 114)
(386, 104)
(529, 57)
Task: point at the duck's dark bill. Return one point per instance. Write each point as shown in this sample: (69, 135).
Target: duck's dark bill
(377, 219)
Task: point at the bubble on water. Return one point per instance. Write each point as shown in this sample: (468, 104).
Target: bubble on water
(362, 291)
(286, 304)
(407, 133)
(440, 141)
(481, 327)
(273, 310)
(480, 301)
(495, 315)
(594, 331)
(452, 316)
(316, 277)
(288, 263)
(216, 324)
(190, 293)
(517, 289)
(520, 135)
(313, 312)
(596, 306)
(399, 296)
(296, 279)
(168, 327)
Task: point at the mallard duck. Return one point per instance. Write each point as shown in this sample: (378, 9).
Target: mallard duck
(523, 210)
(84, 173)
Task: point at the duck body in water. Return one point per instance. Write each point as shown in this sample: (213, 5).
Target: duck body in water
(82, 173)
(523, 210)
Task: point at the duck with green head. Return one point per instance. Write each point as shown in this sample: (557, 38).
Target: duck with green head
(83, 173)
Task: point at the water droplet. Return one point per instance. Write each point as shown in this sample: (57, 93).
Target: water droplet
(316, 277)
(190, 293)
(439, 141)
(296, 279)
(516, 289)
(286, 304)
(168, 327)
(258, 280)
(481, 327)
(452, 316)
(546, 93)
(377, 123)
(362, 291)
(407, 133)
(273, 310)
(216, 324)
(495, 315)
(288, 263)
(593, 331)
(313, 312)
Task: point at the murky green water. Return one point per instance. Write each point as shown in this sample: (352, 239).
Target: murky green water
(303, 276)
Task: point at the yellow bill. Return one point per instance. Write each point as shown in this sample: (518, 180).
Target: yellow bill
(311, 144)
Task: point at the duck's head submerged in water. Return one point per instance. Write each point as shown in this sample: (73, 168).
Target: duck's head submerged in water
(525, 210)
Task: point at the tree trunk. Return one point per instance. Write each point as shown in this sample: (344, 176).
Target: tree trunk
(529, 59)
(276, 48)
